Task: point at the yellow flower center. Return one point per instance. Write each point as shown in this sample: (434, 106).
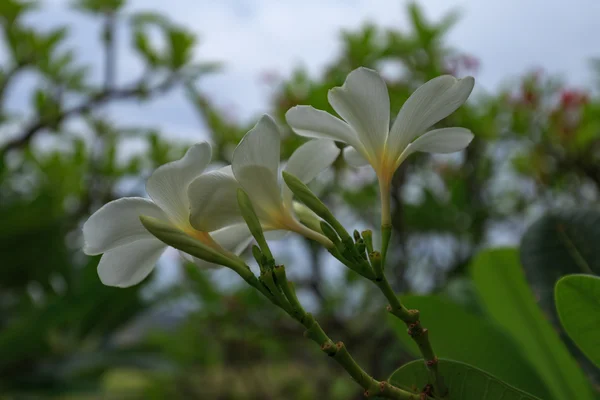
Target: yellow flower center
(204, 237)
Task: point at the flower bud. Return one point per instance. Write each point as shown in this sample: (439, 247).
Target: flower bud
(367, 236)
(329, 232)
(178, 239)
(258, 255)
(307, 216)
(253, 223)
(376, 263)
(360, 247)
(305, 195)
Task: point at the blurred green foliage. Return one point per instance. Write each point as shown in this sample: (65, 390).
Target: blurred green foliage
(65, 335)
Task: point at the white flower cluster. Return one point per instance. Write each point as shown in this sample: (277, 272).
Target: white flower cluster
(204, 205)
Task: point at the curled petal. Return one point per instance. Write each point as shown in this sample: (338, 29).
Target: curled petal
(213, 200)
(308, 161)
(117, 223)
(168, 185)
(310, 122)
(445, 140)
(234, 238)
(263, 190)
(354, 158)
(364, 103)
(429, 104)
(128, 265)
(256, 163)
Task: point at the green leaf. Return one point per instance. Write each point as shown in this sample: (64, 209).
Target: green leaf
(181, 45)
(502, 287)
(460, 335)
(11, 10)
(578, 306)
(142, 44)
(558, 244)
(464, 382)
(99, 6)
(143, 23)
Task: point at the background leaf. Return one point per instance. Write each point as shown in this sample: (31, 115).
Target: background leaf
(502, 287)
(463, 336)
(464, 382)
(578, 306)
(560, 243)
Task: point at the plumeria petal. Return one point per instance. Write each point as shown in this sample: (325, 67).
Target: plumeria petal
(310, 122)
(307, 161)
(117, 223)
(263, 189)
(364, 103)
(429, 104)
(129, 264)
(445, 140)
(354, 158)
(213, 200)
(256, 163)
(234, 238)
(278, 234)
(168, 185)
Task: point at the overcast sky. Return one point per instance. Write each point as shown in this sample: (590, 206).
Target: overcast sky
(254, 36)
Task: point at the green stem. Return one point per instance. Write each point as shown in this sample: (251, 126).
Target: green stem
(416, 331)
(421, 337)
(341, 355)
(315, 332)
(386, 234)
(409, 317)
(395, 306)
(267, 278)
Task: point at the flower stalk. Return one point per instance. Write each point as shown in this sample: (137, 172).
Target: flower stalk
(249, 215)
(348, 252)
(274, 285)
(337, 351)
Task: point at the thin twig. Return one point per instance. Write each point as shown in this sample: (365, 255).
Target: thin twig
(96, 100)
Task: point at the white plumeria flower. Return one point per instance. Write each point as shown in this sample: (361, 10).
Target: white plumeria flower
(130, 251)
(255, 168)
(363, 103)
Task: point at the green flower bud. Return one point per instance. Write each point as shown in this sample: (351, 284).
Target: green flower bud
(253, 223)
(305, 195)
(330, 233)
(367, 236)
(361, 248)
(178, 239)
(307, 216)
(376, 263)
(258, 255)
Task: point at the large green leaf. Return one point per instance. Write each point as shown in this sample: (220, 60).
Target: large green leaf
(464, 382)
(466, 337)
(502, 287)
(558, 244)
(578, 305)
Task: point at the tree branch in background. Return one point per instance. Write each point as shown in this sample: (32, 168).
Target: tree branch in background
(110, 50)
(105, 96)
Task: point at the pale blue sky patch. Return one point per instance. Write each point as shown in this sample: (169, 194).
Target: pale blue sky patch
(256, 36)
